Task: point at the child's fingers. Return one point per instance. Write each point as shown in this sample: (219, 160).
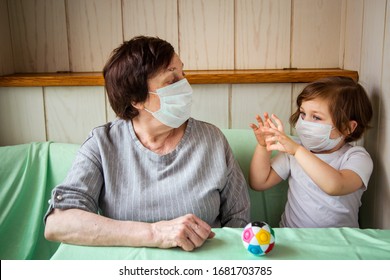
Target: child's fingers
(259, 120)
(253, 126)
(269, 132)
(278, 122)
(266, 119)
(271, 140)
(271, 124)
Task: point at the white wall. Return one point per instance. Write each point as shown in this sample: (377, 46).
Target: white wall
(375, 77)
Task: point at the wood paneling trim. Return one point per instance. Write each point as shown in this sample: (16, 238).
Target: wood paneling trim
(264, 76)
(193, 76)
(52, 79)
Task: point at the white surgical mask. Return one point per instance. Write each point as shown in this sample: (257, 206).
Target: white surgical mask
(316, 136)
(175, 103)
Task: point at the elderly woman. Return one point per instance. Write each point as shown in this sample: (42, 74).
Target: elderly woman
(154, 177)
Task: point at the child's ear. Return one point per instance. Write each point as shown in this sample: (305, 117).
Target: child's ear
(352, 126)
(138, 105)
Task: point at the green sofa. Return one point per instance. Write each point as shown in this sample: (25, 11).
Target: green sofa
(29, 172)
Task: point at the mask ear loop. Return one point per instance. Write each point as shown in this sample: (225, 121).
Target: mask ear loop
(342, 136)
(146, 109)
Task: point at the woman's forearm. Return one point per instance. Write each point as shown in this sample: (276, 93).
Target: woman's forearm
(80, 227)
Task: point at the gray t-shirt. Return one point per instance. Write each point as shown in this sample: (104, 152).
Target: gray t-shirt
(310, 207)
(115, 175)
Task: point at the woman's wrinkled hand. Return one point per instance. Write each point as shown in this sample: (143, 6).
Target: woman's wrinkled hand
(188, 232)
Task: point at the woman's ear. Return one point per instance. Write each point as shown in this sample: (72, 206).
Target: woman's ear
(352, 126)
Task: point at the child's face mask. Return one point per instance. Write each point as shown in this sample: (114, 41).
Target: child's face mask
(316, 136)
(175, 103)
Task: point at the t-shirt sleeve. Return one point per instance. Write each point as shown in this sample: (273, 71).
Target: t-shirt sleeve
(281, 165)
(359, 161)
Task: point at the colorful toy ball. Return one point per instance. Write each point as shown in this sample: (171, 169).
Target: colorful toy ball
(258, 238)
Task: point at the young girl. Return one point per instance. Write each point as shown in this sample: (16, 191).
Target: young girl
(327, 175)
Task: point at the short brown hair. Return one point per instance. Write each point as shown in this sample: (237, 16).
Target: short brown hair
(127, 71)
(347, 99)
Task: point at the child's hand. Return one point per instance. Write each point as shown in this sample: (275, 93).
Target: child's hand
(258, 130)
(276, 139)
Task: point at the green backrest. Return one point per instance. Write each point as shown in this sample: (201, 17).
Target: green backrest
(28, 173)
(268, 205)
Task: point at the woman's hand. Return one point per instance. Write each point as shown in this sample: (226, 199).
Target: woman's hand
(276, 139)
(188, 232)
(258, 129)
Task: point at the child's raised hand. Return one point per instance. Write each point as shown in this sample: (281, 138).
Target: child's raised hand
(258, 129)
(276, 139)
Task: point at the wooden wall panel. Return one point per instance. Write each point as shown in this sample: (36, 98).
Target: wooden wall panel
(382, 197)
(95, 29)
(248, 100)
(353, 34)
(6, 57)
(206, 34)
(262, 34)
(211, 104)
(371, 78)
(22, 117)
(152, 18)
(110, 114)
(38, 30)
(343, 12)
(316, 33)
(72, 112)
